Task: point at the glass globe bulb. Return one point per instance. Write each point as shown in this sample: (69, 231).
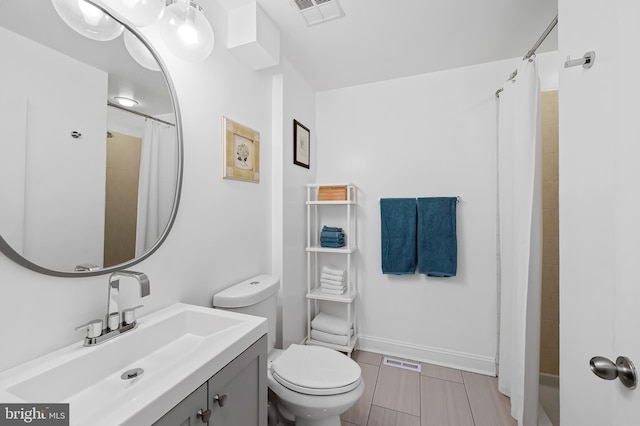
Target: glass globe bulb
(139, 52)
(87, 19)
(186, 31)
(139, 12)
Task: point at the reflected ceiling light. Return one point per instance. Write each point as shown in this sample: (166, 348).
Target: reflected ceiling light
(186, 31)
(125, 102)
(139, 52)
(87, 19)
(139, 12)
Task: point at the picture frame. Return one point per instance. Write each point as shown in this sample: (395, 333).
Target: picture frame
(301, 145)
(241, 151)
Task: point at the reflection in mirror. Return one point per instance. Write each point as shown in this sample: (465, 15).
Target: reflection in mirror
(86, 184)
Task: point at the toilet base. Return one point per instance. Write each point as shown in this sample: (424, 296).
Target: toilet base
(305, 410)
(329, 421)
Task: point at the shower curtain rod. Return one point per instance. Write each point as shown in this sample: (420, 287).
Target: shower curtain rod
(111, 104)
(533, 49)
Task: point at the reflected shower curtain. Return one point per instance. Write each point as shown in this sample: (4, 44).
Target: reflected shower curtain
(157, 184)
(519, 195)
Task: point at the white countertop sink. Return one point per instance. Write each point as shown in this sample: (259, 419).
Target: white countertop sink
(179, 348)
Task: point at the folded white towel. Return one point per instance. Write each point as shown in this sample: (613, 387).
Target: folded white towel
(331, 324)
(330, 285)
(333, 270)
(331, 291)
(329, 277)
(330, 338)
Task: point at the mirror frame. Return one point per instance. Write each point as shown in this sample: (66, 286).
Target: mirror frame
(19, 259)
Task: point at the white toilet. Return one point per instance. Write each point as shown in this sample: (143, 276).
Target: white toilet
(309, 385)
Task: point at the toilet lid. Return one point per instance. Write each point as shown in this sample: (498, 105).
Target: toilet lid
(316, 370)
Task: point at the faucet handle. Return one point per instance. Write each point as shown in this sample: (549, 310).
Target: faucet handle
(113, 321)
(94, 328)
(129, 315)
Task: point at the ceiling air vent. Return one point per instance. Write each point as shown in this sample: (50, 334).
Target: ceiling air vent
(304, 4)
(318, 11)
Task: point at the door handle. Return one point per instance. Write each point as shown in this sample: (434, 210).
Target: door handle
(623, 369)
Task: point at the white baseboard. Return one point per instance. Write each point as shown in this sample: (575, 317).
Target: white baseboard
(446, 358)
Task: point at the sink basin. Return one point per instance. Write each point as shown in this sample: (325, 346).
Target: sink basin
(179, 348)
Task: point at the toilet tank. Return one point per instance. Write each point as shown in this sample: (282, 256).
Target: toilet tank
(255, 296)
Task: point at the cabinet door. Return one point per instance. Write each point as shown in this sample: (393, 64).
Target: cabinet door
(238, 392)
(186, 412)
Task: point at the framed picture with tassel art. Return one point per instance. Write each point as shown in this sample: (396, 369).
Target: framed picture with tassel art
(241, 151)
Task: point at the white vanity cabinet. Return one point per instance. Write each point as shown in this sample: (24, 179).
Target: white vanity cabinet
(187, 412)
(236, 395)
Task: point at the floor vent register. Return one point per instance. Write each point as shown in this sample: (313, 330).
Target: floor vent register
(407, 365)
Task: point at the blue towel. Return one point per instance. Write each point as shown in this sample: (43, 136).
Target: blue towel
(332, 239)
(331, 234)
(398, 235)
(332, 244)
(331, 229)
(437, 244)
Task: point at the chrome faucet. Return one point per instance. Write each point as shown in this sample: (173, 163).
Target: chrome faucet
(113, 314)
(116, 324)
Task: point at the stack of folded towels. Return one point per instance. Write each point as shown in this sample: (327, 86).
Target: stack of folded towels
(331, 236)
(333, 280)
(331, 329)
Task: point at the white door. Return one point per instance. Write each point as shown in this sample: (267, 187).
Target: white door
(599, 208)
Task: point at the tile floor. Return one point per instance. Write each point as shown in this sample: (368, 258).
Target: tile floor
(436, 396)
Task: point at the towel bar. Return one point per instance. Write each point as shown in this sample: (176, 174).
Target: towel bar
(458, 199)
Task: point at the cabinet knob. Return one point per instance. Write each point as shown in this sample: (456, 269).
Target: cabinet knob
(220, 399)
(204, 415)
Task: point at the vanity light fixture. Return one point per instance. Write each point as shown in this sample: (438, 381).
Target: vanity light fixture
(182, 24)
(139, 52)
(139, 12)
(125, 102)
(87, 19)
(186, 30)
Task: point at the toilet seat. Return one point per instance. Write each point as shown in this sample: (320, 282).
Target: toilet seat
(316, 370)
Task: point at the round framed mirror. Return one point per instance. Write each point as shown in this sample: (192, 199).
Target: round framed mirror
(90, 145)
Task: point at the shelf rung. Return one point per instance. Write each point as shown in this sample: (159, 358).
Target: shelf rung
(317, 294)
(341, 348)
(344, 250)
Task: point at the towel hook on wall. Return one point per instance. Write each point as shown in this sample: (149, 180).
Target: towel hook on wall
(586, 61)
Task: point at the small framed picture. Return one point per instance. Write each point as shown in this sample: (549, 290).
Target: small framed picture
(241, 151)
(301, 145)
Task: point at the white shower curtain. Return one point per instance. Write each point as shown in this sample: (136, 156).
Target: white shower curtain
(157, 183)
(520, 242)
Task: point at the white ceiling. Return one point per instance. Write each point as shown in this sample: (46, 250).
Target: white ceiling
(379, 40)
(375, 40)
